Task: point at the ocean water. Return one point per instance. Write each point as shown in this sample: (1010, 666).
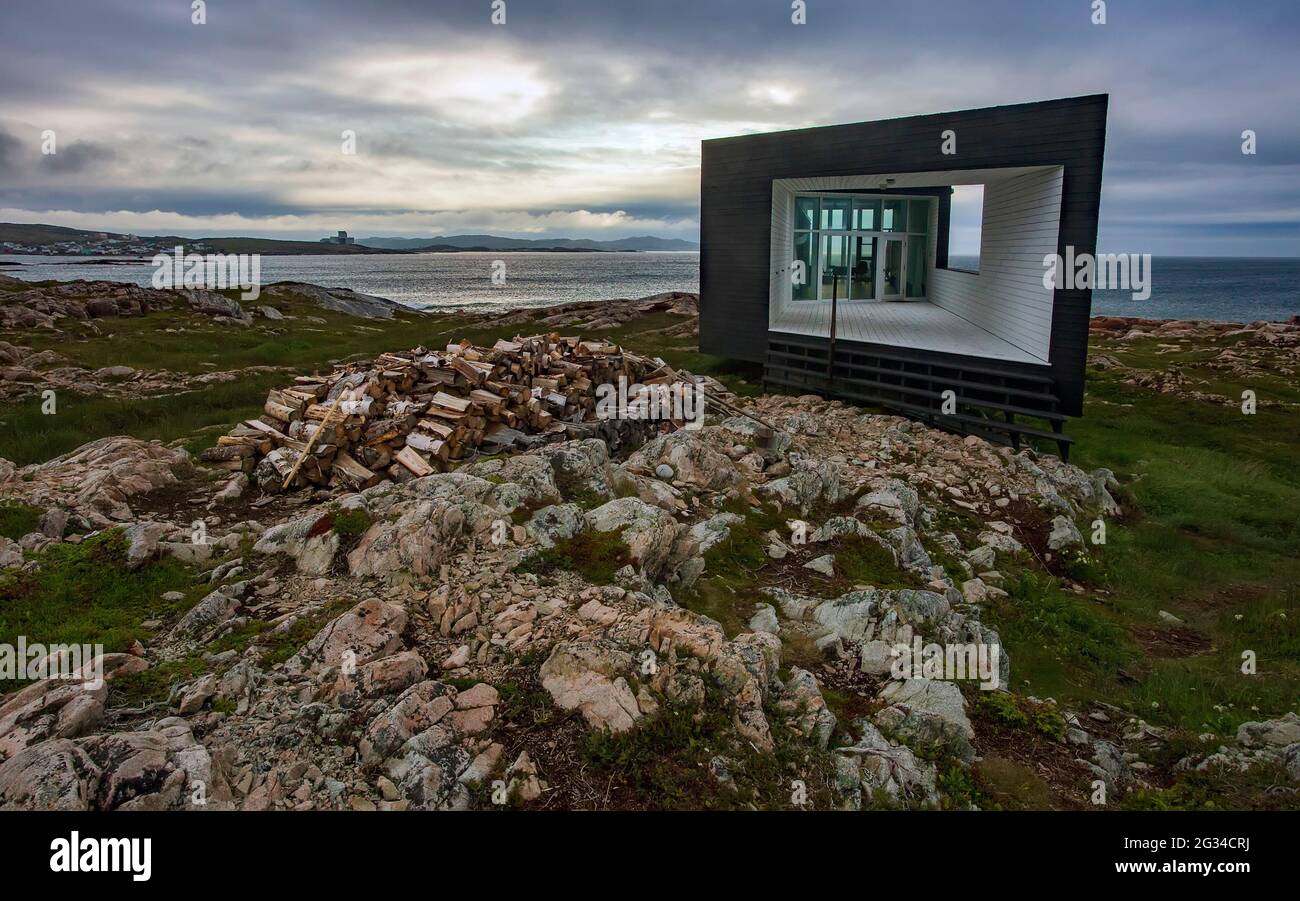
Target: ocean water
(1228, 289)
(1237, 290)
(434, 280)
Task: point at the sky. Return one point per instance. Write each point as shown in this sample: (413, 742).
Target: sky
(583, 118)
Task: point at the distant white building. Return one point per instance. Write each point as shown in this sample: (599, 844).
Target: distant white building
(340, 238)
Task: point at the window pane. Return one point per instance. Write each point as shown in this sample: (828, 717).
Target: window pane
(835, 212)
(863, 286)
(866, 215)
(835, 266)
(805, 212)
(894, 217)
(918, 217)
(892, 276)
(916, 267)
(803, 278)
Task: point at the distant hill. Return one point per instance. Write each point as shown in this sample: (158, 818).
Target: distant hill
(495, 242)
(43, 234)
(36, 237)
(112, 242)
(271, 246)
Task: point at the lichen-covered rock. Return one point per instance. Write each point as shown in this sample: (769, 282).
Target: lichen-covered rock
(310, 540)
(99, 480)
(716, 529)
(556, 523)
(163, 768)
(1278, 733)
(50, 708)
(214, 609)
(800, 701)
(590, 677)
(850, 616)
(581, 469)
(887, 769)
(11, 553)
(692, 459)
(527, 480)
(1065, 535)
(911, 554)
(51, 775)
(427, 770)
(891, 498)
(809, 485)
(928, 714)
(418, 708)
(142, 541)
(422, 524)
(370, 630)
(649, 532)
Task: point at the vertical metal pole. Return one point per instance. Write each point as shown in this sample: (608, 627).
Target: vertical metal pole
(835, 298)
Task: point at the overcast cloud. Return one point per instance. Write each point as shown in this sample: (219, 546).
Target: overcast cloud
(583, 117)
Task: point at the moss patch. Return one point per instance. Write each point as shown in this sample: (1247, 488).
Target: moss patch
(154, 685)
(18, 519)
(1017, 712)
(596, 556)
(84, 594)
(664, 763)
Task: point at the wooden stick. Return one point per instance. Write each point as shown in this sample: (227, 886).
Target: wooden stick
(311, 441)
(717, 402)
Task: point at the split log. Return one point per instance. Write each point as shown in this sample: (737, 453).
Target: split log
(417, 465)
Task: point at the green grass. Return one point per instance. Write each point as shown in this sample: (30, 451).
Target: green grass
(861, 561)
(84, 594)
(18, 519)
(280, 646)
(596, 556)
(178, 341)
(1217, 534)
(663, 763)
(1007, 785)
(1059, 642)
(728, 589)
(1262, 787)
(1018, 712)
(1211, 533)
(29, 436)
(154, 685)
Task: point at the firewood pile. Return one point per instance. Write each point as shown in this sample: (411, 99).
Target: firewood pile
(407, 415)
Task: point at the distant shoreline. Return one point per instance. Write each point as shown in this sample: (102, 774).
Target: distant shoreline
(34, 239)
(1241, 290)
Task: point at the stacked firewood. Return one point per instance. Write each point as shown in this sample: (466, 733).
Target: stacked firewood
(407, 415)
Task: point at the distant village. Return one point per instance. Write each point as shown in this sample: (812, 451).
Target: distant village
(100, 244)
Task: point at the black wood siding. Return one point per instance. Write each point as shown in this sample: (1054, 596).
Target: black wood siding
(736, 205)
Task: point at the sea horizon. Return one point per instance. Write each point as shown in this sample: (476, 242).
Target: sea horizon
(1222, 288)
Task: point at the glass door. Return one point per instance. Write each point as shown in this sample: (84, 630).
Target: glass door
(863, 280)
(891, 269)
(835, 266)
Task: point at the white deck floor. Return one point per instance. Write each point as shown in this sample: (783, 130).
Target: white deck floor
(914, 324)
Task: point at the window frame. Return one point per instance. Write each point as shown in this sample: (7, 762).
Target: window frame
(908, 236)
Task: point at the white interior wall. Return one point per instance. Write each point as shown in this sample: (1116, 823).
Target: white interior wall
(1022, 212)
(1022, 217)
